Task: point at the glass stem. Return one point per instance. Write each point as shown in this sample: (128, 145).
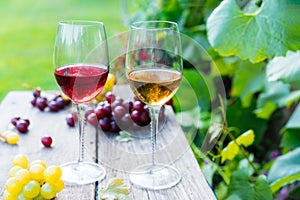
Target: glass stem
(154, 113)
(81, 108)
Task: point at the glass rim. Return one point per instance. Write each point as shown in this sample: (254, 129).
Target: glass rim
(172, 25)
(80, 22)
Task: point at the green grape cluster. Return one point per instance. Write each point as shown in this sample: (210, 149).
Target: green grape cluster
(9, 136)
(32, 181)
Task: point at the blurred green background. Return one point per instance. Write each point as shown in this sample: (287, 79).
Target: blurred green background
(27, 36)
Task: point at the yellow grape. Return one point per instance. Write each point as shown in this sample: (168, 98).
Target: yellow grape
(20, 160)
(107, 87)
(12, 138)
(48, 191)
(39, 162)
(65, 97)
(8, 196)
(31, 189)
(22, 176)
(52, 174)
(12, 172)
(59, 185)
(39, 197)
(37, 172)
(22, 197)
(12, 186)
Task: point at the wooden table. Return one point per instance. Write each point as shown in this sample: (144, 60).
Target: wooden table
(117, 157)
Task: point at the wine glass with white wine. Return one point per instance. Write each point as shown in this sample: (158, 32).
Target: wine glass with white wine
(154, 70)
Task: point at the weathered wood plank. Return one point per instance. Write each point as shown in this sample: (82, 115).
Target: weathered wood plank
(118, 158)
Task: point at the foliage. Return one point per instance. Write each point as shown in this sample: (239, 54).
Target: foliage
(28, 37)
(254, 44)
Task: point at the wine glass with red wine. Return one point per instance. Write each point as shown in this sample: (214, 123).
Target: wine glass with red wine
(154, 70)
(81, 68)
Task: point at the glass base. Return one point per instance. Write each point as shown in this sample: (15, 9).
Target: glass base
(155, 177)
(82, 172)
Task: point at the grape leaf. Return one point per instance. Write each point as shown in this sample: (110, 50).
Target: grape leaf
(240, 188)
(115, 189)
(291, 137)
(274, 92)
(248, 79)
(285, 169)
(124, 137)
(270, 31)
(286, 69)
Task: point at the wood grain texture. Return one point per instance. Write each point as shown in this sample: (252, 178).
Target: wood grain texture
(118, 158)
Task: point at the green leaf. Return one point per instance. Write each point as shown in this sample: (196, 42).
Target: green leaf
(241, 188)
(239, 185)
(278, 184)
(248, 79)
(286, 69)
(124, 137)
(115, 190)
(293, 122)
(270, 31)
(244, 119)
(274, 92)
(286, 168)
(291, 137)
(294, 96)
(266, 111)
(262, 188)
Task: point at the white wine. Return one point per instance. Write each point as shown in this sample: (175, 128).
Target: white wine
(154, 86)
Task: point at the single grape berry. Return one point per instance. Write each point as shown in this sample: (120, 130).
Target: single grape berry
(41, 103)
(135, 115)
(170, 102)
(110, 97)
(104, 123)
(27, 121)
(144, 119)
(33, 102)
(60, 102)
(22, 126)
(138, 105)
(128, 106)
(113, 127)
(101, 112)
(92, 119)
(70, 120)
(46, 141)
(53, 106)
(36, 93)
(119, 111)
(15, 120)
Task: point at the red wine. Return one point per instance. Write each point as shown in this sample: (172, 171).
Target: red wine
(81, 83)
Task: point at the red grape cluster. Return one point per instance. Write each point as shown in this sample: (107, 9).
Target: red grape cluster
(54, 105)
(115, 114)
(20, 124)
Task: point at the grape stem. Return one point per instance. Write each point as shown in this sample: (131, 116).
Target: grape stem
(2, 138)
(228, 130)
